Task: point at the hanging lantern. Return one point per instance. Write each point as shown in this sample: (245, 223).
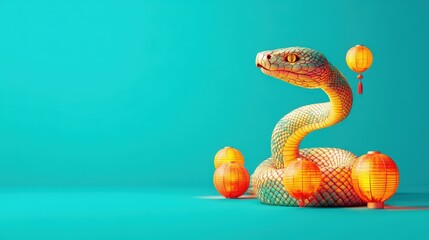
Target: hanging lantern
(302, 179)
(375, 178)
(231, 180)
(359, 59)
(228, 154)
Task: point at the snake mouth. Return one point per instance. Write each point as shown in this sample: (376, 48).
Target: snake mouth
(280, 71)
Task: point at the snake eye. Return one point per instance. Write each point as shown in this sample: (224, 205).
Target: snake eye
(291, 58)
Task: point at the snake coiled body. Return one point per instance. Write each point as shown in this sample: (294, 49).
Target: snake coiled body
(307, 68)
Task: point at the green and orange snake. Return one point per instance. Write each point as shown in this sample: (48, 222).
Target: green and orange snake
(307, 68)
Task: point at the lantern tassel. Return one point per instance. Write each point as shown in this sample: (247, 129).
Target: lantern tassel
(360, 87)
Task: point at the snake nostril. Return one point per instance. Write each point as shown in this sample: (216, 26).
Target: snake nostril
(268, 56)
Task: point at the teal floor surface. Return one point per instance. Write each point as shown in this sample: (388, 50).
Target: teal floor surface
(159, 213)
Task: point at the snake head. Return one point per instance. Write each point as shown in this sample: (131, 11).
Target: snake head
(299, 66)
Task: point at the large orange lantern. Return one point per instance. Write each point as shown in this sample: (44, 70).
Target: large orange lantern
(231, 180)
(375, 178)
(302, 179)
(228, 154)
(359, 59)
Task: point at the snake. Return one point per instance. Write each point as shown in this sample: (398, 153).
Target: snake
(307, 68)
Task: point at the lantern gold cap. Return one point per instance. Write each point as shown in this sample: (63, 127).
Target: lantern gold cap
(373, 152)
(375, 205)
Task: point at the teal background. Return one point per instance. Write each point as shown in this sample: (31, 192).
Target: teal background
(120, 95)
(146, 92)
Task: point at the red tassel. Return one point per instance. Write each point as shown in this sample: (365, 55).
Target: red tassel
(360, 87)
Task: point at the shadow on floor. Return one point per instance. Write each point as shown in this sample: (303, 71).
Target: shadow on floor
(406, 207)
(400, 201)
(409, 201)
(222, 197)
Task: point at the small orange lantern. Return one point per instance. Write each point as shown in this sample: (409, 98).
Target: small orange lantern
(231, 180)
(228, 154)
(359, 59)
(375, 178)
(302, 179)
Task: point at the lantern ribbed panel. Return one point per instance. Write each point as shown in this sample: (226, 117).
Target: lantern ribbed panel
(228, 154)
(359, 58)
(375, 177)
(231, 180)
(302, 178)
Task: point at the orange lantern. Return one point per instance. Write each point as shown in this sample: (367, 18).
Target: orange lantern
(302, 179)
(375, 178)
(231, 180)
(228, 154)
(359, 59)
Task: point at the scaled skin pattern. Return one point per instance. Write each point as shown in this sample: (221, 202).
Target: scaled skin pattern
(307, 68)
